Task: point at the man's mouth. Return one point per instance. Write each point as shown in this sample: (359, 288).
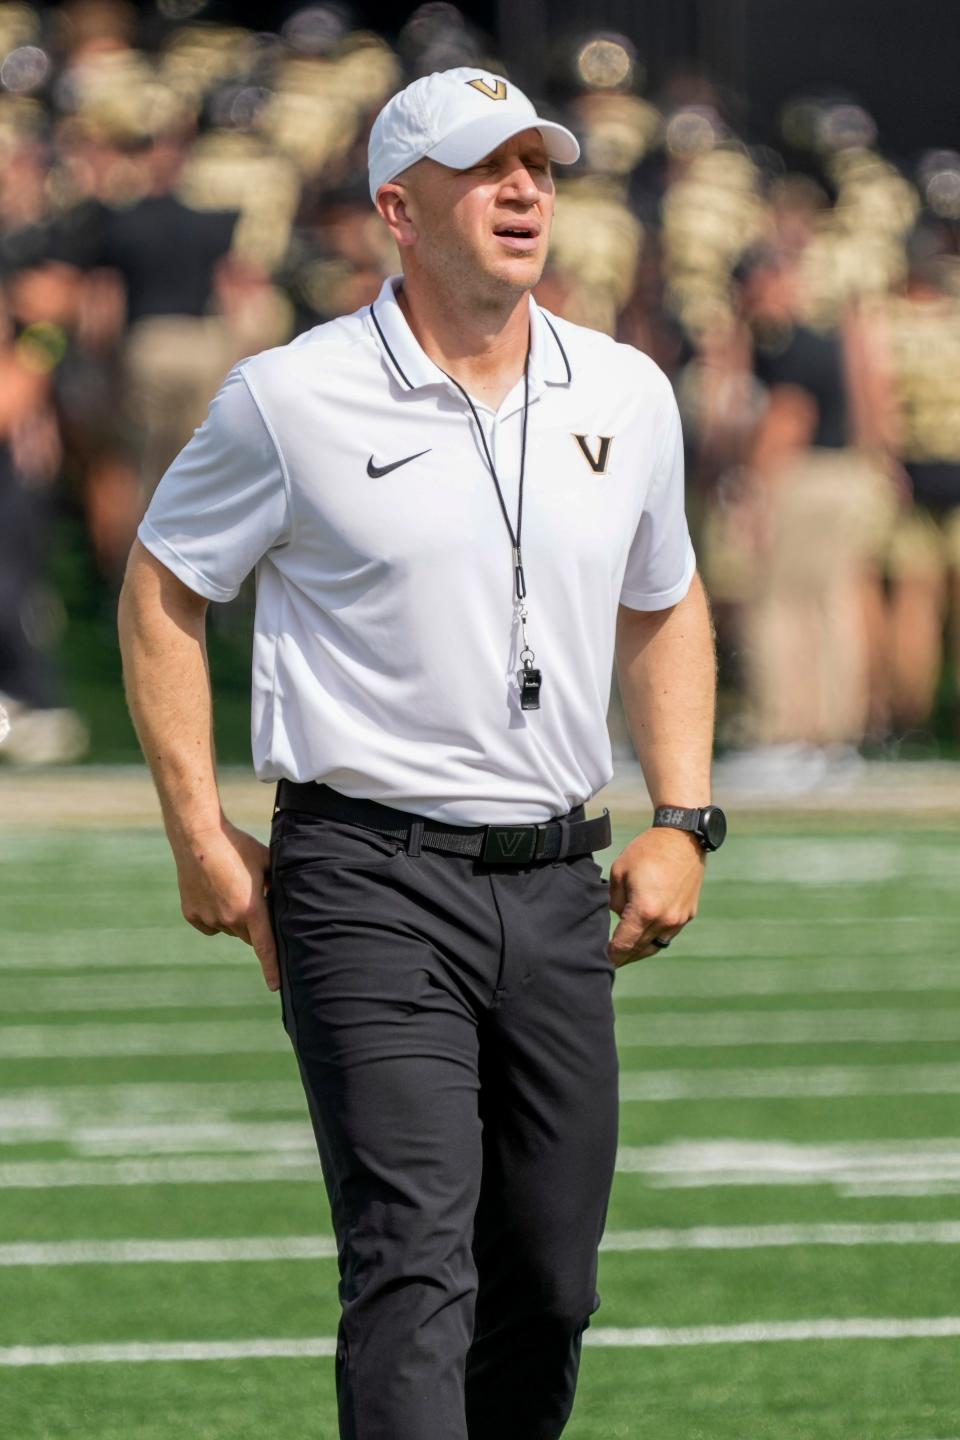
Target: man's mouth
(520, 236)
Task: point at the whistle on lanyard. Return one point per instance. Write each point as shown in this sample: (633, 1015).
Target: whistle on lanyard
(529, 679)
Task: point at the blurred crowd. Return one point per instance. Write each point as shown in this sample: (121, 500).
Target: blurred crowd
(176, 194)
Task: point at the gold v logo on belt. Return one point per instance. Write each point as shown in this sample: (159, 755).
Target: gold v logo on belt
(509, 842)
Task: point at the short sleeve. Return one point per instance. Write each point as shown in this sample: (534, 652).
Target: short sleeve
(224, 502)
(661, 562)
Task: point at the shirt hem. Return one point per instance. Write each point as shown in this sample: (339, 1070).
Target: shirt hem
(664, 599)
(191, 577)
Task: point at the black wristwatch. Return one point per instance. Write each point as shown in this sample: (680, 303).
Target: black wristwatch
(709, 824)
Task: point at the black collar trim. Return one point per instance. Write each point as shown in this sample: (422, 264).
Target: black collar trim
(383, 340)
(560, 348)
(399, 369)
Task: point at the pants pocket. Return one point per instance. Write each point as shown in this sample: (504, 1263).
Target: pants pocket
(274, 900)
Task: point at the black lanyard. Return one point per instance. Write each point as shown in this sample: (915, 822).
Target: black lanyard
(528, 678)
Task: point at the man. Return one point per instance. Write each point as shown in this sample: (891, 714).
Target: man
(922, 326)
(402, 478)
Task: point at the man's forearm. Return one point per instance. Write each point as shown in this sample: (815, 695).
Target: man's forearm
(666, 667)
(222, 872)
(161, 627)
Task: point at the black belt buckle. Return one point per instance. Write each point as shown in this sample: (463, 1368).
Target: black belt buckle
(509, 844)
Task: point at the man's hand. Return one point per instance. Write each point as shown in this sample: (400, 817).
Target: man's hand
(654, 888)
(224, 875)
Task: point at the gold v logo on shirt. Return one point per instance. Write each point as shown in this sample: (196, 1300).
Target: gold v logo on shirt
(598, 462)
(497, 92)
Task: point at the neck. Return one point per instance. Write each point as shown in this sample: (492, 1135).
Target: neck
(484, 347)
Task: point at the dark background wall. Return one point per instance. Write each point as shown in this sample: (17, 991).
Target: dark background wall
(900, 58)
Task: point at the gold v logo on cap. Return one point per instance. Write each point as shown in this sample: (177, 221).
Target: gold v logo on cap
(499, 92)
(598, 462)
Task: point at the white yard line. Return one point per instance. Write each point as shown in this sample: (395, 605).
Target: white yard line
(210, 990)
(791, 938)
(191, 1137)
(734, 1028)
(725, 1028)
(770, 1332)
(244, 1169)
(892, 1186)
(795, 1082)
(83, 1042)
(204, 1135)
(808, 976)
(903, 919)
(801, 862)
(101, 994)
(323, 1247)
(167, 1098)
(766, 1237)
(936, 1327)
(879, 1167)
(142, 1352)
(152, 947)
(929, 1167)
(59, 1111)
(169, 1252)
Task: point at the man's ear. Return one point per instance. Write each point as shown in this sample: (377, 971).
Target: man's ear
(394, 209)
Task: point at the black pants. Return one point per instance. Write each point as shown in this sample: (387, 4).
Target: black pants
(26, 519)
(453, 1025)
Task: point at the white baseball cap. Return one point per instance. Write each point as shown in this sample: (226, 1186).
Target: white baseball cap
(456, 117)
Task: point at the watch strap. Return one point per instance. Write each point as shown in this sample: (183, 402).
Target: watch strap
(676, 817)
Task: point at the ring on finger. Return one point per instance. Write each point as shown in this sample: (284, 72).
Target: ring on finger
(659, 941)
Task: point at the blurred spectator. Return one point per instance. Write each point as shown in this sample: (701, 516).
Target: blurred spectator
(35, 727)
(924, 336)
(824, 503)
(184, 301)
(177, 195)
(338, 257)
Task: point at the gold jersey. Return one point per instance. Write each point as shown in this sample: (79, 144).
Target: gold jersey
(925, 345)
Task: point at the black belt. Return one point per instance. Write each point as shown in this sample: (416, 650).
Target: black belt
(570, 834)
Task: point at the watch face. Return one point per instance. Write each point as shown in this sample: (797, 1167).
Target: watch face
(714, 826)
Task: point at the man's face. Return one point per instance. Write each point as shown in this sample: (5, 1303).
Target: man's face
(490, 223)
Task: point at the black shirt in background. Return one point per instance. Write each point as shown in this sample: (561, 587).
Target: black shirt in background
(813, 362)
(165, 251)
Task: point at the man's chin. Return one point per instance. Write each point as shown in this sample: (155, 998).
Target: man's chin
(519, 272)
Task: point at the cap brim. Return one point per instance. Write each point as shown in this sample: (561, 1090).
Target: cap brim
(486, 133)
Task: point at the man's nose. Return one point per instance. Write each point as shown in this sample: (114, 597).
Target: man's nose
(522, 184)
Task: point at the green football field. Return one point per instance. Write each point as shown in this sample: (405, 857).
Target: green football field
(782, 1256)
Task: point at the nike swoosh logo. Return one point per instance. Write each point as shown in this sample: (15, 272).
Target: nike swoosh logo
(375, 471)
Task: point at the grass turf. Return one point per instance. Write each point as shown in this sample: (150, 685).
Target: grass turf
(853, 920)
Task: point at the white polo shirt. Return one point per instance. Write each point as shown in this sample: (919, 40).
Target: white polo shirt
(347, 469)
